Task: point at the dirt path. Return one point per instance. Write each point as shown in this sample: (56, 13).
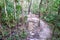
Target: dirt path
(42, 32)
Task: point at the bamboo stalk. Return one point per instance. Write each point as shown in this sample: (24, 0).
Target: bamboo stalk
(16, 22)
(6, 17)
(14, 8)
(5, 8)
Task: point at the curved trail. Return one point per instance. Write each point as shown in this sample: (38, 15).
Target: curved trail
(42, 32)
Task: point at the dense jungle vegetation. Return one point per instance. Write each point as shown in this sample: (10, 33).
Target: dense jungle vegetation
(13, 13)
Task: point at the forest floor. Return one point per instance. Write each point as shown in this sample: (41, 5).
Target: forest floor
(34, 31)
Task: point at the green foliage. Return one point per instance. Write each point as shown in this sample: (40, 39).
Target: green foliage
(10, 12)
(23, 34)
(50, 14)
(16, 37)
(5, 33)
(52, 17)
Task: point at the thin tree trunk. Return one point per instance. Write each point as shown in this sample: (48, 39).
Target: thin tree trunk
(0, 23)
(6, 17)
(39, 11)
(46, 11)
(15, 3)
(40, 7)
(5, 8)
(0, 15)
(22, 18)
(15, 9)
(29, 8)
